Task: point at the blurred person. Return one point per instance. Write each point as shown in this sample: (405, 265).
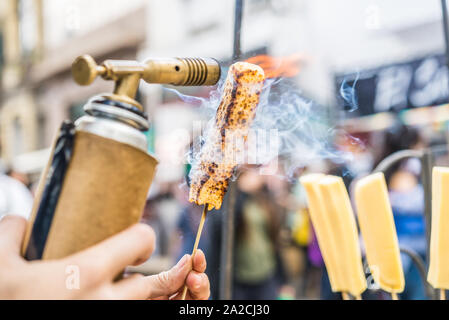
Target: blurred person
(90, 274)
(303, 237)
(397, 138)
(294, 231)
(151, 217)
(301, 233)
(162, 212)
(258, 269)
(14, 197)
(188, 223)
(407, 200)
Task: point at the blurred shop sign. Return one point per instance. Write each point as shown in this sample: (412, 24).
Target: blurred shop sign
(417, 83)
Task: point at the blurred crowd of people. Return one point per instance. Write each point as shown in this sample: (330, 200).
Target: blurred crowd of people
(275, 253)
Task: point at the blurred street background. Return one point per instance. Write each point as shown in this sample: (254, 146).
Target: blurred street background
(390, 55)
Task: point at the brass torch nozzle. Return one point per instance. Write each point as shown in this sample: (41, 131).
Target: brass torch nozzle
(127, 74)
(182, 71)
(175, 71)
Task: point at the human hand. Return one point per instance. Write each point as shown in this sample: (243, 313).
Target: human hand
(90, 273)
(170, 284)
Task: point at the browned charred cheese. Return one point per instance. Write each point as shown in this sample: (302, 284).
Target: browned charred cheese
(218, 157)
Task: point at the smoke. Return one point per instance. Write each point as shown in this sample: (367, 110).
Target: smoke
(288, 127)
(347, 92)
(303, 126)
(194, 101)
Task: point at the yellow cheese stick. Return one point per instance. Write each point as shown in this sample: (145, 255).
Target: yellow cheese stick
(379, 232)
(438, 275)
(322, 226)
(339, 213)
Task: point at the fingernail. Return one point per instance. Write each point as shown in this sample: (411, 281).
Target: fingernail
(182, 262)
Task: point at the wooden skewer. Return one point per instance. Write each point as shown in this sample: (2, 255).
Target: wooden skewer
(394, 296)
(195, 247)
(442, 294)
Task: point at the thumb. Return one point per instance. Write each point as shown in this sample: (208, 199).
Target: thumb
(12, 231)
(168, 282)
